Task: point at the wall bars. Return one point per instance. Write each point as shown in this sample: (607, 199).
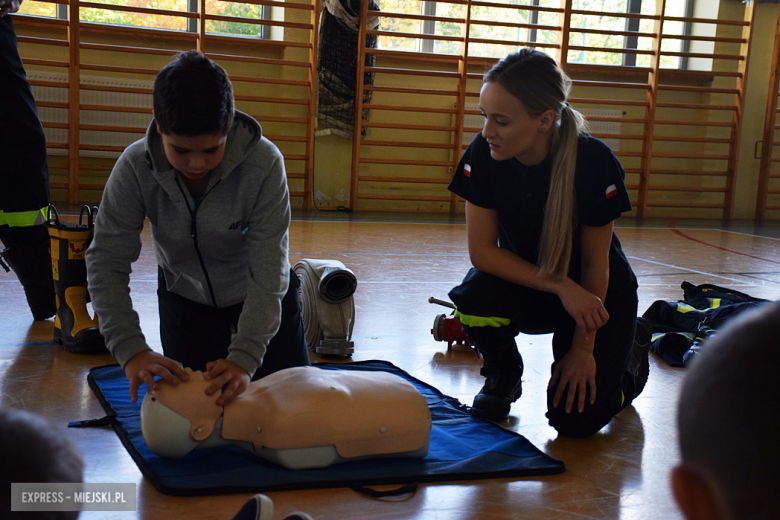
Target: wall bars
(662, 85)
(768, 197)
(103, 57)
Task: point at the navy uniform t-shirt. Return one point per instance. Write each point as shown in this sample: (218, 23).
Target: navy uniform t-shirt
(519, 195)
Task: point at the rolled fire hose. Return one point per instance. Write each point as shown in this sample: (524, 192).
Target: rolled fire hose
(327, 305)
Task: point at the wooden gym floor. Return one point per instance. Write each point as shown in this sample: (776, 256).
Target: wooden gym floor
(400, 261)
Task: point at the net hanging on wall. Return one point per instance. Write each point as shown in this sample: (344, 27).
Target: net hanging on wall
(337, 68)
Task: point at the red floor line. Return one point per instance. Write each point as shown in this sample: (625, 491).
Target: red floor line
(678, 232)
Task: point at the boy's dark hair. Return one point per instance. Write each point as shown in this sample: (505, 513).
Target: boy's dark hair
(728, 419)
(33, 450)
(193, 96)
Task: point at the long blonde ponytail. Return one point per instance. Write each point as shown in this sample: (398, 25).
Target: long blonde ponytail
(538, 82)
(560, 213)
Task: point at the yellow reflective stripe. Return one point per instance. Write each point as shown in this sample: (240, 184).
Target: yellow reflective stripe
(481, 321)
(656, 335)
(23, 218)
(684, 307)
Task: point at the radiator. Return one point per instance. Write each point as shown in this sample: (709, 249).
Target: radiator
(596, 127)
(471, 121)
(603, 127)
(93, 117)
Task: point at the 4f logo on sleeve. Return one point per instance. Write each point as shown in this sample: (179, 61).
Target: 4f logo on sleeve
(467, 170)
(611, 191)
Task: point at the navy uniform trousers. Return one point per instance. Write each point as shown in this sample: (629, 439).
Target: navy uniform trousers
(535, 312)
(24, 181)
(24, 175)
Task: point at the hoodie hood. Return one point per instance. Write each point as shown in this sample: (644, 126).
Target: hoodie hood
(243, 138)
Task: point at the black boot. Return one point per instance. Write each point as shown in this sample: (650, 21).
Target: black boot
(74, 328)
(27, 253)
(639, 364)
(503, 369)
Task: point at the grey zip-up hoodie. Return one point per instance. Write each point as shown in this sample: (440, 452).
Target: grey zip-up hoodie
(231, 249)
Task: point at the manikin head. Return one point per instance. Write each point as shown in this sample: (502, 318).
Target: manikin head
(729, 424)
(175, 421)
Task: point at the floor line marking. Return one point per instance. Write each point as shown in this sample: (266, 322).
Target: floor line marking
(655, 228)
(680, 233)
(331, 253)
(755, 277)
(684, 269)
(35, 344)
(463, 255)
(735, 233)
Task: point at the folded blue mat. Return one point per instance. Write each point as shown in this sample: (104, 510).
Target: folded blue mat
(461, 448)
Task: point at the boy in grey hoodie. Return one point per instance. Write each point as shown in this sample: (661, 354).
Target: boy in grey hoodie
(215, 192)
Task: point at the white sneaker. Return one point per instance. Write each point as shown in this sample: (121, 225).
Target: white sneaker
(259, 507)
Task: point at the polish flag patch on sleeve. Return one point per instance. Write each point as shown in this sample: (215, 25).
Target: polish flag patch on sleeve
(611, 191)
(467, 170)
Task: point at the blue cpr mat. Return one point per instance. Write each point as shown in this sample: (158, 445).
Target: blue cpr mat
(461, 448)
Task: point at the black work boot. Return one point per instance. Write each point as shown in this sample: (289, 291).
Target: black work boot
(503, 369)
(639, 364)
(27, 253)
(74, 328)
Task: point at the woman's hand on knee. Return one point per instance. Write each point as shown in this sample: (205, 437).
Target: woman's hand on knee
(584, 307)
(228, 376)
(576, 371)
(145, 365)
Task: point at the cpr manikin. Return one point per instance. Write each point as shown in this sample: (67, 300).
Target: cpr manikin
(302, 417)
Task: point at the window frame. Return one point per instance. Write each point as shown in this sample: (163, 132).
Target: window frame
(629, 42)
(192, 23)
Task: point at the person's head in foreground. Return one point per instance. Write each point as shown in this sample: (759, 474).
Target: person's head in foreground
(33, 450)
(729, 424)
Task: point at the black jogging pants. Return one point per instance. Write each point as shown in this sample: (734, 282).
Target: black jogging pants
(194, 334)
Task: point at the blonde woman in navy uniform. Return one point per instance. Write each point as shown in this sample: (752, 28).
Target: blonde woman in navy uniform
(541, 197)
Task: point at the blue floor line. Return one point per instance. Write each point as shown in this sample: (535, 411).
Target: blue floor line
(28, 344)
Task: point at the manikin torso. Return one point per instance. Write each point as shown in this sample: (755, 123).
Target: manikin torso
(300, 417)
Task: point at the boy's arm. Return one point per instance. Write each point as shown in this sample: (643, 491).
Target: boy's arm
(115, 246)
(269, 270)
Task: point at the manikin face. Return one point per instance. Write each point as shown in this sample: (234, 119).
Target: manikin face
(510, 130)
(194, 156)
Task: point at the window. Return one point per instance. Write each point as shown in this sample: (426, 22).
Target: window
(42, 9)
(600, 30)
(165, 21)
(403, 25)
(497, 30)
(491, 27)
